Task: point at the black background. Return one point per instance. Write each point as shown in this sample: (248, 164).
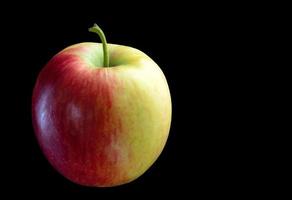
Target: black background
(203, 51)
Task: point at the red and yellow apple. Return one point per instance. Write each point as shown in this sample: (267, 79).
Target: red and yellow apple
(101, 112)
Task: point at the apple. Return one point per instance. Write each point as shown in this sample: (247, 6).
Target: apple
(101, 112)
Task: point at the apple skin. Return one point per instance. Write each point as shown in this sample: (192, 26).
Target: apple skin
(101, 126)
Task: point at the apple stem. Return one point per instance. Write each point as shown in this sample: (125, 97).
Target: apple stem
(97, 29)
